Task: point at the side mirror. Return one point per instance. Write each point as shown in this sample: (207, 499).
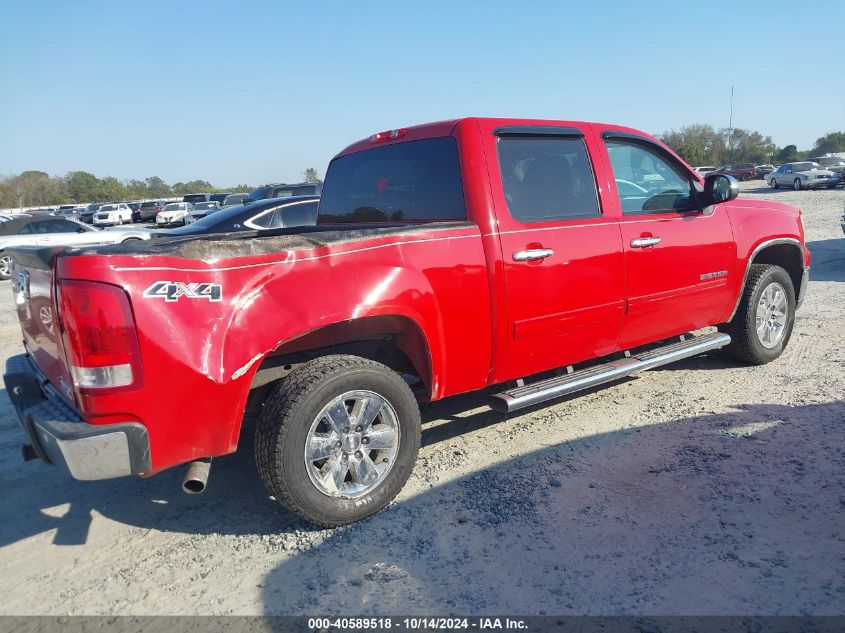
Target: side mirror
(718, 188)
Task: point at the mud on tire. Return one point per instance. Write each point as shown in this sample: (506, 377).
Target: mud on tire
(287, 426)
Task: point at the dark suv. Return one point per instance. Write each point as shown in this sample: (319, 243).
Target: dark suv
(740, 171)
(148, 210)
(281, 190)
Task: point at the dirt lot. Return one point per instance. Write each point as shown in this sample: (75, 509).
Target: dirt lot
(700, 488)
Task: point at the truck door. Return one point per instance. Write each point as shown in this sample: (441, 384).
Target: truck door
(678, 261)
(561, 251)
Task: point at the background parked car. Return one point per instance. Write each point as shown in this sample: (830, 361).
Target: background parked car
(285, 191)
(148, 210)
(803, 175)
(174, 214)
(87, 215)
(56, 231)
(705, 170)
(109, 214)
(218, 197)
(70, 210)
(193, 198)
(275, 213)
(740, 171)
(836, 164)
(764, 170)
(200, 210)
(234, 198)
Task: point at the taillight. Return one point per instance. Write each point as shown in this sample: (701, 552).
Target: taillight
(99, 336)
(389, 135)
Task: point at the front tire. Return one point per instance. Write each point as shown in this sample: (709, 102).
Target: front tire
(5, 267)
(762, 325)
(337, 439)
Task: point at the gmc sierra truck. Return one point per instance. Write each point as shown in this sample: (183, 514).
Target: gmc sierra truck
(529, 258)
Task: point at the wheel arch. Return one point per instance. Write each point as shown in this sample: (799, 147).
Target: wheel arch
(394, 340)
(785, 252)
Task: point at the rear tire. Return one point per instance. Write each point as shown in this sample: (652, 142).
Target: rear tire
(796, 184)
(774, 184)
(296, 418)
(768, 293)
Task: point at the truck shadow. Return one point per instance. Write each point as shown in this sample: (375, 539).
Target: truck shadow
(828, 260)
(738, 512)
(39, 498)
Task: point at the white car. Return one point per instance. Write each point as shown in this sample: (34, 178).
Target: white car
(174, 214)
(705, 170)
(109, 214)
(56, 231)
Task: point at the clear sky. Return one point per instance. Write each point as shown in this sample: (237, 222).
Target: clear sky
(245, 91)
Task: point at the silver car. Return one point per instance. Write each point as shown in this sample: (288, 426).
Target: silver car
(56, 231)
(804, 175)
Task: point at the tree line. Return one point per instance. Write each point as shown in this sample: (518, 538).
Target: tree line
(704, 145)
(37, 188)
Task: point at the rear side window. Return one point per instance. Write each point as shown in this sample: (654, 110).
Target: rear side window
(302, 214)
(547, 179)
(417, 181)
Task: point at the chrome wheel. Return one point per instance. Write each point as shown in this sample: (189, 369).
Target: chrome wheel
(796, 184)
(352, 444)
(771, 315)
(5, 266)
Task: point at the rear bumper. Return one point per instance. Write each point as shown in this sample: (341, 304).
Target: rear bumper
(60, 437)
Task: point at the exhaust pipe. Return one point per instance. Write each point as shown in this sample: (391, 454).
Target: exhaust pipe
(196, 477)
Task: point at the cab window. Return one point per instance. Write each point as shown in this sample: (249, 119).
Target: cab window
(647, 181)
(546, 179)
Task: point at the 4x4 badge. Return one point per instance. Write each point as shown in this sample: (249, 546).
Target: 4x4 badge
(175, 290)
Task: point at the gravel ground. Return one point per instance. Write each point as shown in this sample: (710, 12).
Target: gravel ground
(699, 488)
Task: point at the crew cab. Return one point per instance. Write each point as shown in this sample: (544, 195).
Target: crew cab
(530, 258)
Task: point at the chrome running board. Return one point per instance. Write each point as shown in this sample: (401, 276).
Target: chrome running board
(528, 395)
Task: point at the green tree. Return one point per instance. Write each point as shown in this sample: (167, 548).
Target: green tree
(157, 188)
(193, 186)
(830, 143)
(788, 154)
(112, 190)
(698, 144)
(83, 186)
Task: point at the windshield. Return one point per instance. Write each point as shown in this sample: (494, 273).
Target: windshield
(178, 206)
(804, 166)
(108, 207)
(831, 162)
(202, 206)
(195, 197)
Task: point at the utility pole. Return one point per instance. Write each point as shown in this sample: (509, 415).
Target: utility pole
(730, 123)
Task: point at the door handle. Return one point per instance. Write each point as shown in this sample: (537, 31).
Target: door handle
(532, 254)
(643, 242)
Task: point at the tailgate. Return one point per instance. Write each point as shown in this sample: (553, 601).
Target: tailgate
(33, 288)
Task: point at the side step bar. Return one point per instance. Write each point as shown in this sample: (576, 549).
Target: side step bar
(521, 397)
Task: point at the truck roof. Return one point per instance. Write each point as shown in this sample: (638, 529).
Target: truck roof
(445, 128)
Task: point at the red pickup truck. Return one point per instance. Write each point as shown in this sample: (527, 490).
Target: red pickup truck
(543, 257)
